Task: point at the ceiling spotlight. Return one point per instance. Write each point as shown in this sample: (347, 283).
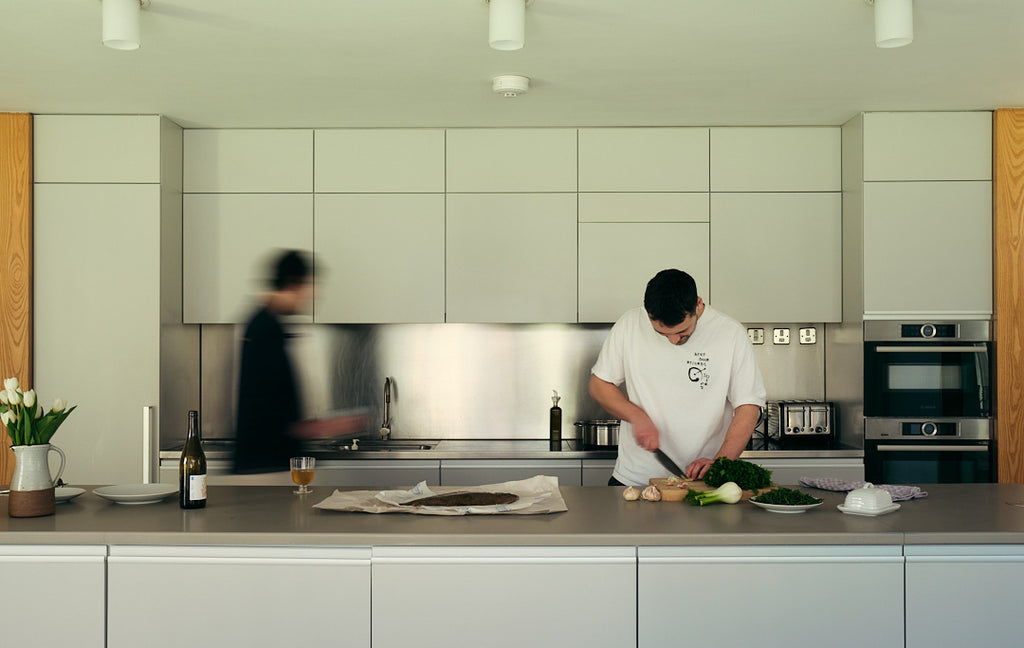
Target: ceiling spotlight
(894, 22)
(121, 23)
(510, 85)
(507, 24)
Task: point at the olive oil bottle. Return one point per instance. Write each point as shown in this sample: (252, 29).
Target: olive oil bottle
(192, 468)
(555, 424)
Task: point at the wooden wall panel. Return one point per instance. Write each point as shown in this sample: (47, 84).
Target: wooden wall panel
(15, 260)
(1008, 258)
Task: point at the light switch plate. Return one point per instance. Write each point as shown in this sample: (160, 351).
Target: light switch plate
(808, 335)
(780, 335)
(756, 335)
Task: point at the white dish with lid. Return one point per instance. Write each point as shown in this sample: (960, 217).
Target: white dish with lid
(868, 500)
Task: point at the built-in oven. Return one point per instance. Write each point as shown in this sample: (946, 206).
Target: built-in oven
(941, 451)
(927, 402)
(927, 369)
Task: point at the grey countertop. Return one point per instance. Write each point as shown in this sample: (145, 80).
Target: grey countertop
(269, 515)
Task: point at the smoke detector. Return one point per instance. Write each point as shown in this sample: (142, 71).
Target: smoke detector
(511, 85)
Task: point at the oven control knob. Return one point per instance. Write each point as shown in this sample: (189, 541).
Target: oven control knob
(929, 429)
(928, 330)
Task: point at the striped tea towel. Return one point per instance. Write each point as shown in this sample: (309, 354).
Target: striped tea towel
(899, 493)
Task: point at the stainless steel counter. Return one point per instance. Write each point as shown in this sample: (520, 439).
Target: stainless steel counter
(508, 449)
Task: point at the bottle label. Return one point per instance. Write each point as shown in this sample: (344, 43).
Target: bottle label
(197, 487)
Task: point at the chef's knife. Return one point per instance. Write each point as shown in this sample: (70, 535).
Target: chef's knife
(664, 460)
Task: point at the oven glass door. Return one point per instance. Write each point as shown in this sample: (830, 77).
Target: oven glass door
(927, 463)
(926, 380)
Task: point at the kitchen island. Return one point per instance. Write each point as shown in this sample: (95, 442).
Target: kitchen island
(605, 573)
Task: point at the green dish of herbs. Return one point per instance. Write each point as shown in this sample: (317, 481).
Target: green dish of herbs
(785, 500)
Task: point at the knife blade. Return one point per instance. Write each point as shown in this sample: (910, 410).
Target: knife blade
(664, 460)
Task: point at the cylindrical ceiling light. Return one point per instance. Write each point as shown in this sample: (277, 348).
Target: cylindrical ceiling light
(121, 23)
(507, 24)
(894, 22)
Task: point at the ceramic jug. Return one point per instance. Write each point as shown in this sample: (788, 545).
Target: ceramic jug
(32, 487)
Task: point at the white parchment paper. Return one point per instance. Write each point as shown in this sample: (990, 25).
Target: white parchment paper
(537, 495)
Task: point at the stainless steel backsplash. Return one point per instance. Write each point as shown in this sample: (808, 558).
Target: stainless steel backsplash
(464, 381)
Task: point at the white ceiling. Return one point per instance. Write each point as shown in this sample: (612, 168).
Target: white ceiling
(303, 63)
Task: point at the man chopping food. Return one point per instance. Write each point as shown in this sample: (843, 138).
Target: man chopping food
(692, 384)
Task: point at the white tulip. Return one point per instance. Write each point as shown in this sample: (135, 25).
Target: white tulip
(30, 398)
(13, 397)
(58, 405)
(11, 384)
(3, 397)
(8, 417)
(39, 413)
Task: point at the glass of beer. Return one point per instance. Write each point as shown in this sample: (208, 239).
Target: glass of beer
(302, 473)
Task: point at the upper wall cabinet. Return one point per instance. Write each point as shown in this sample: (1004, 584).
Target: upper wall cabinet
(643, 159)
(96, 148)
(380, 258)
(777, 257)
(776, 159)
(511, 160)
(379, 161)
(511, 258)
(230, 240)
(928, 146)
(248, 161)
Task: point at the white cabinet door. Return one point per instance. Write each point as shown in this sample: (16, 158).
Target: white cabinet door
(511, 258)
(798, 597)
(596, 472)
(97, 320)
(510, 159)
(928, 249)
(643, 159)
(504, 597)
(964, 595)
(776, 159)
(55, 595)
(230, 242)
(618, 259)
(379, 160)
(787, 472)
(928, 146)
(248, 160)
(777, 257)
(475, 472)
(644, 207)
(380, 258)
(96, 148)
(238, 596)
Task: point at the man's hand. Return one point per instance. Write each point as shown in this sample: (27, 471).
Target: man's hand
(645, 432)
(699, 468)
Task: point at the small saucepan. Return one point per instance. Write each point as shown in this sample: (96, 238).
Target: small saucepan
(598, 434)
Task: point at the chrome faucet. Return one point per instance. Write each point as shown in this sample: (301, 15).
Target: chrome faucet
(385, 427)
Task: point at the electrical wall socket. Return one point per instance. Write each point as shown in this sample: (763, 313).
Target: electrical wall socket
(756, 335)
(808, 335)
(780, 335)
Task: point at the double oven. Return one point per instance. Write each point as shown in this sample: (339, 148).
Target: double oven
(928, 402)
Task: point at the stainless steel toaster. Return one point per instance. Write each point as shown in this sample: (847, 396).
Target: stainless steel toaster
(806, 420)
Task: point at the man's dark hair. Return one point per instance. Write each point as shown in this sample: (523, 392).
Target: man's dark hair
(670, 297)
(290, 269)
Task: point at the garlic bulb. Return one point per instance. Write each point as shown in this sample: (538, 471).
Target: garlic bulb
(651, 494)
(630, 494)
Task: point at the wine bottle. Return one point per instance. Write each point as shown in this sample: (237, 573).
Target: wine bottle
(192, 468)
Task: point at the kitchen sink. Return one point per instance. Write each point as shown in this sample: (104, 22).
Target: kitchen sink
(380, 445)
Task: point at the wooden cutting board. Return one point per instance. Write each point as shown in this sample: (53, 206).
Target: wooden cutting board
(671, 492)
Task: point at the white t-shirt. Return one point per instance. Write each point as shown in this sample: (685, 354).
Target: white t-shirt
(689, 391)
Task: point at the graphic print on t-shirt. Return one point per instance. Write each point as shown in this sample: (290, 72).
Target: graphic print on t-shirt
(698, 369)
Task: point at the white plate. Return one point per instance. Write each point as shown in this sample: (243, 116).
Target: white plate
(881, 511)
(136, 493)
(784, 508)
(66, 493)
